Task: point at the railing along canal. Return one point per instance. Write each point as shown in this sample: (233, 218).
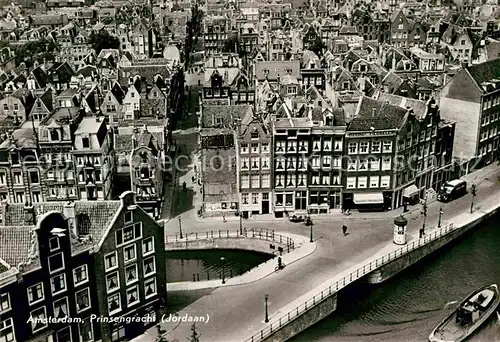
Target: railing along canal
(340, 284)
(261, 234)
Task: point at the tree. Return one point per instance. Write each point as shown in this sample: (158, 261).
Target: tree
(317, 46)
(195, 337)
(103, 40)
(40, 51)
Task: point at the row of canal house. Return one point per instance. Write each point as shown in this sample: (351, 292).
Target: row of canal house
(392, 150)
(78, 259)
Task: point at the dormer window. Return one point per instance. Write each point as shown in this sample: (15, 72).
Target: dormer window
(265, 71)
(255, 135)
(362, 68)
(289, 71)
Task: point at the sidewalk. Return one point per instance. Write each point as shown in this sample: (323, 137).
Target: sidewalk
(303, 248)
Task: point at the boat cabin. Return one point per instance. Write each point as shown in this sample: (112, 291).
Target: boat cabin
(470, 311)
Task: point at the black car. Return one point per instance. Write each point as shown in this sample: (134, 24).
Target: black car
(296, 218)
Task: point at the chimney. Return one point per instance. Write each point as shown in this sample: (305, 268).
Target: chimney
(393, 67)
(70, 213)
(374, 111)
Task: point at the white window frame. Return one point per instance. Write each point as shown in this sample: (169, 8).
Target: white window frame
(91, 329)
(55, 238)
(108, 290)
(138, 299)
(60, 300)
(156, 288)
(106, 268)
(86, 275)
(33, 322)
(119, 302)
(362, 182)
(144, 242)
(134, 247)
(2, 301)
(4, 326)
(130, 282)
(59, 269)
(144, 266)
(65, 287)
(351, 183)
(125, 217)
(38, 300)
(382, 178)
(76, 300)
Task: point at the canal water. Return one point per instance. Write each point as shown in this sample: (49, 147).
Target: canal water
(407, 307)
(207, 264)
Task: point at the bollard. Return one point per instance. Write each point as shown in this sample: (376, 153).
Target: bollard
(227, 233)
(194, 278)
(230, 273)
(280, 238)
(212, 233)
(196, 236)
(219, 233)
(208, 276)
(198, 276)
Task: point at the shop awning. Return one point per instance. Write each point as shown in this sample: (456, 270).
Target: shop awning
(369, 198)
(410, 191)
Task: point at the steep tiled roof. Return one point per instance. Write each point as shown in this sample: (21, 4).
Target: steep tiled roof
(419, 107)
(275, 68)
(228, 114)
(486, 71)
(377, 114)
(16, 243)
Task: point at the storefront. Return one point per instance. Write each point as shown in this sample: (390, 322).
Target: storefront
(369, 201)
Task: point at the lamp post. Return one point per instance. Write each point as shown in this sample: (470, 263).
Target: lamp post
(267, 314)
(241, 224)
(180, 227)
(474, 193)
(311, 232)
(440, 215)
(223, 270)
(424, 213)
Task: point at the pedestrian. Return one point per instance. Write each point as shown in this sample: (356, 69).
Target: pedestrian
(224, 218)
(192, 179)
(344, 229)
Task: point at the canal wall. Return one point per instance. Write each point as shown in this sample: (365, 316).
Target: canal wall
(301, 323)
(241, 243)
(389, 270)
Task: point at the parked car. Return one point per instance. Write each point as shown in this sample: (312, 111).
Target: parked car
(451, 190)
(296, 218)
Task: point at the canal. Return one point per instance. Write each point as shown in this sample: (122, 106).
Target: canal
(210, 264)
(407, 307)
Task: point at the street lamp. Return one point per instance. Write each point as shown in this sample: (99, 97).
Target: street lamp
(267, 314)
(440, 214)
(474, 193)
(180, 227)
(311, 231)
(424, 213)
(241, 224)
(223, 270)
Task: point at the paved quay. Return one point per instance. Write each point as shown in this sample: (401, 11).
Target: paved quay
(237, 312)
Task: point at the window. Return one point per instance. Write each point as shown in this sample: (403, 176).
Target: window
(82, 300)
(61, 308)
(374, 164)
(327, 161)
(85, 328)
(54, 135)
(245, 181)
(326, 180)
(255, 179)
(112, 282)
(376, 147)
(110, 261)
(38, 319)
(86, 142)
(254, 135)
(118, 333)
(80, 275)
(265, 181)
(255, 163)
(7, 331)
(363, 147)
(352, 165)
(34, 178)
(265, 147)
(129, 217)
(128, 234)
(149, 266)
(351, 182)
(148, 246)
(35, 293)
(384, 181)
(362, 182)
(149, 288)
(255, 198)
(374, 181)
(114, 304)
(58, 284)
(265, 163)
(255, 147)
(386, 164)
(2, 178)
(129, 253)
(316, 145)
(132, 296)
(280, 146)
(4, 302)
(54, 244)
(387, 146)
(56, 263)
(131, 274)
(353, 148)
(244, 198)
(18, 178)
